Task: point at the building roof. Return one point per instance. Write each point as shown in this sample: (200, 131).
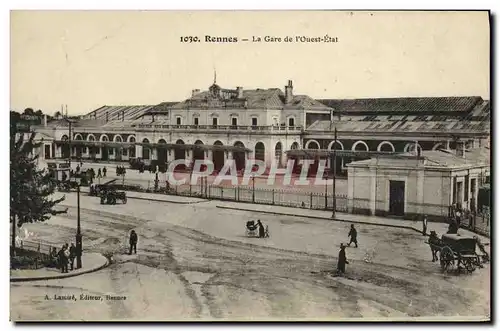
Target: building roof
(410, 105)
(113, 113)
(437, 158)
(401, 126)
(272, 98)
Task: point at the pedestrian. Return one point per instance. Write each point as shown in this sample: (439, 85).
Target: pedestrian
(342, 260)
(66, 256)
(77, 169)
(104, 171)
(354, 236)
(262, 231)
(99, 174)
(54, 261)
(486, 256)
(133, 242)
(458, 217)
(72, 255)
(424, 225)
(117, 170)
(63, 259)
(472, 215)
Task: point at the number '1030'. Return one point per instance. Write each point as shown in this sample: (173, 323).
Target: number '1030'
(189, 39)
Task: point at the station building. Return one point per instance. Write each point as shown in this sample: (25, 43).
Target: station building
(410, 184)
(269, 124)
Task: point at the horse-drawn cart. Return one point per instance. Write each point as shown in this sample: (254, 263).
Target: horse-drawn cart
(456, 251)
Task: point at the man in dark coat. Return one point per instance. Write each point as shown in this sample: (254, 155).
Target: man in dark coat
(354, 236)
(133, 242)
(63, 259)
(342, 260)
(262, 232)
(72, 256)
(424, 225)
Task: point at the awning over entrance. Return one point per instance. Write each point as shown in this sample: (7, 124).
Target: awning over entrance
(324, 153)
(86, 143)
(112, 144)
(196, 146)
(223, 148)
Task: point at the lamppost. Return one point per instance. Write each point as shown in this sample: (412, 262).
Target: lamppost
(334, 166)
(69, 128)
(253, 188)
(78, 232)
(69, 140)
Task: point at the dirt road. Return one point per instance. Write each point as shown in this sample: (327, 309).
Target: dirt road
(194, 263)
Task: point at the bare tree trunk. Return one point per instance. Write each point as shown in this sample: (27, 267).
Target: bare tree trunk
(13, 239)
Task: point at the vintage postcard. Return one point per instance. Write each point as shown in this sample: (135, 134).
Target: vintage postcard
(250, 166)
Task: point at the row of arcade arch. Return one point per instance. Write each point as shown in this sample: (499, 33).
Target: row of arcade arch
(384, 146)
(218, 154)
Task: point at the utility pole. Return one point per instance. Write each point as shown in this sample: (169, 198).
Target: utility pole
(334, 166)
(253, 188)
(78, 233)
(69, 143)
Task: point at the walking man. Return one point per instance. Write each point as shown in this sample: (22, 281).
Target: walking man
(342, 260)
(99, 174)
(262, 232)
(63, 258)
(424, 225)
(104, 171)
(133, 242)
(354, 236)
(72, 256)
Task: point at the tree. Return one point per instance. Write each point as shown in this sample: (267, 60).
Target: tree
(30, 188)
(39, 112)
(57, 114)
(29, 111)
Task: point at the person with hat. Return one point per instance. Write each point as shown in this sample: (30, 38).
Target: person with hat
(353, 234)
(342, 260)
(424, 225)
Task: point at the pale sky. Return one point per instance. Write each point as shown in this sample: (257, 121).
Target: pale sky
(88, 59)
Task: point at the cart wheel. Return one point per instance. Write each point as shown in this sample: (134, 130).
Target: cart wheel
(447, 259)
(469, 265)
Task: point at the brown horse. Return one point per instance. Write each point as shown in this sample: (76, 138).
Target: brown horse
(435, 244)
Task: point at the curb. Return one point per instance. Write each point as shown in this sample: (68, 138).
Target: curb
(323, 218)
(160, 200)
(169, 201)
(61, 276)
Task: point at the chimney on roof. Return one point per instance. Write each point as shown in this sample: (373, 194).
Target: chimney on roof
(239, 89)
(460, 149)
(107, 116)
(195, 92)
(45, 120)
(289, 92)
